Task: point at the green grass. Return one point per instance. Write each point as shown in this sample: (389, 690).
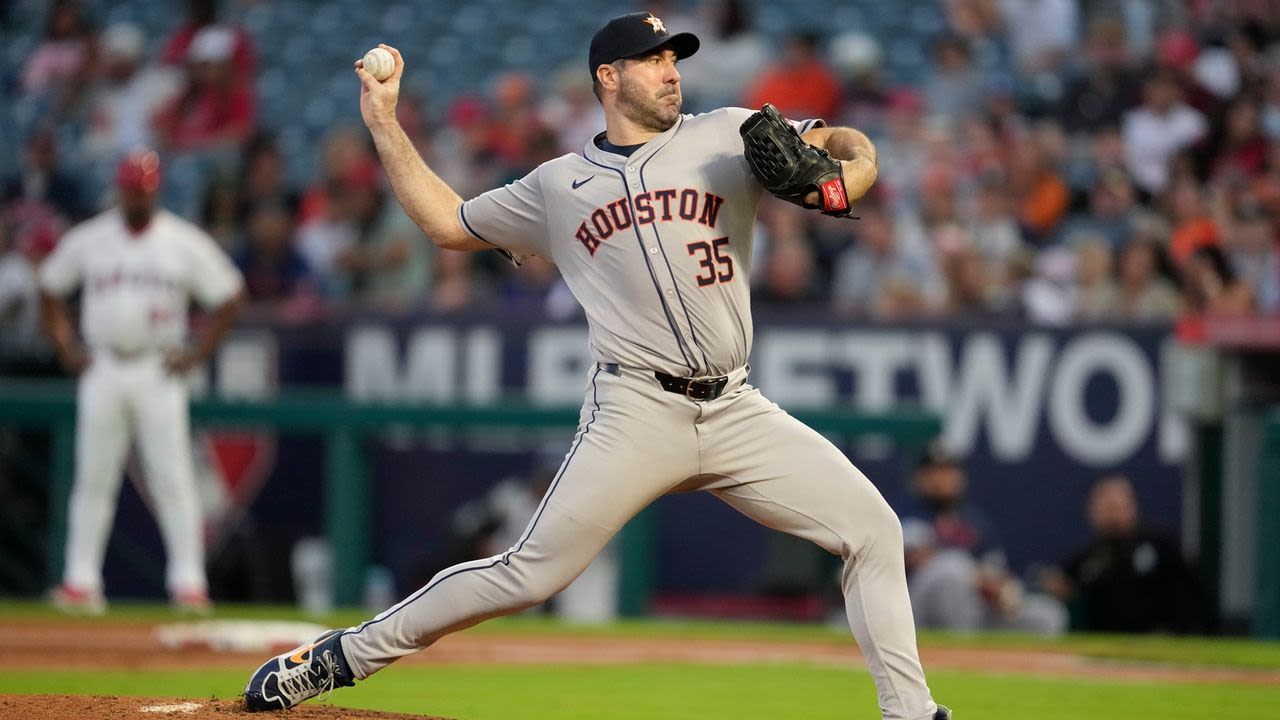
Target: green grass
(710, 692)
(696, 692)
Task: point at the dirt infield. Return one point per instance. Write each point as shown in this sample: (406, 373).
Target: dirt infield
(40, 644)
(135, 645)
(60, 707)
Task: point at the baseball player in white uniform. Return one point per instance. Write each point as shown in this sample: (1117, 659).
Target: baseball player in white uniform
(136, 266)
(651, 228)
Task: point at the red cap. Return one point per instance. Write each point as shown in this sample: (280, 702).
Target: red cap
(139, 170)
(1177, 49)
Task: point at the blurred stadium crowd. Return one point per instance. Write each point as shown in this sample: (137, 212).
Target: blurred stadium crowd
(1048, 160)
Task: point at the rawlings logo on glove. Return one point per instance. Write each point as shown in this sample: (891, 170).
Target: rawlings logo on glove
(788, 167)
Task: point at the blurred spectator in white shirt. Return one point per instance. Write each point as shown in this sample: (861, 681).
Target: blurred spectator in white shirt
(1049, 297)
(1158, 130)
(130, 93)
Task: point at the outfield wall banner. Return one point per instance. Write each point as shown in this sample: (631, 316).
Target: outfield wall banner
(1037, 413)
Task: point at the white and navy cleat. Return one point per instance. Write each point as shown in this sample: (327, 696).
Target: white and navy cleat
(298, 675)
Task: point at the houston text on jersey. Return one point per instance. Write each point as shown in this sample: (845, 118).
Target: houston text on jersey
(650, 207)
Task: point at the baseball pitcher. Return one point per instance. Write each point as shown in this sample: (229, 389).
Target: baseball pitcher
(136, 266)
(651, 228)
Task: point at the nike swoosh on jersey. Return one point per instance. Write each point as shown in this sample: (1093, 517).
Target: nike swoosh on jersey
(579, 183)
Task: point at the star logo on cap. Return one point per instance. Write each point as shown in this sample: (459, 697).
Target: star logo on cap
(657, 25)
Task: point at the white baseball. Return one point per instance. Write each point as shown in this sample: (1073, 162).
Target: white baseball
(379, 63)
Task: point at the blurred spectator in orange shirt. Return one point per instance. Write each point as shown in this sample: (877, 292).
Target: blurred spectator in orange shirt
(202, 14)
(800, 84)
(1042, 196)
(1193, 227)
(213, 109)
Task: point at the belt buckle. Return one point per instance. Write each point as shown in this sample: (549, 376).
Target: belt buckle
(707, 386)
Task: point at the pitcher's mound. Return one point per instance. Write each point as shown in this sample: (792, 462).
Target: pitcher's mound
(59, 707)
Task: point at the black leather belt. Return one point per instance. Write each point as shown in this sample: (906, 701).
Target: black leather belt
(703, 388)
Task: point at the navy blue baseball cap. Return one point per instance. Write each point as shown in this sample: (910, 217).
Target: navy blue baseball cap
(635, 34)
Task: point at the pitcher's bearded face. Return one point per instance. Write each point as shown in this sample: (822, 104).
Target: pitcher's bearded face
(649, 90)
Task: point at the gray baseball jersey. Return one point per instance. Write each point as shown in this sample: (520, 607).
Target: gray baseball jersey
(657, 248)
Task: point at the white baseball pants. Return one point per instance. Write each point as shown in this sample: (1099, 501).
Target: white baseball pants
(119, 400)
